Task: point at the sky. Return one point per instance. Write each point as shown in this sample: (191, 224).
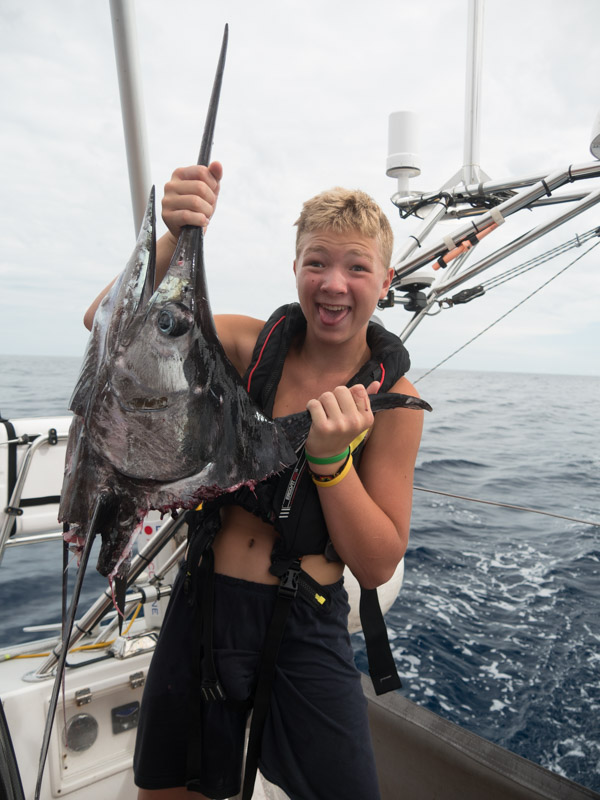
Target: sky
(307, 93)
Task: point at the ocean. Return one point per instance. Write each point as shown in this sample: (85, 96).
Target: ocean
(497, 624)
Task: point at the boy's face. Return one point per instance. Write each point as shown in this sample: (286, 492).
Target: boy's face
(339, 277)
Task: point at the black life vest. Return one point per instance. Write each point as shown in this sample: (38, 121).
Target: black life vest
(289, 501)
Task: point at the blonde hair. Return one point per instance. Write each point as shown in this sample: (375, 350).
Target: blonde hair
(342, 210)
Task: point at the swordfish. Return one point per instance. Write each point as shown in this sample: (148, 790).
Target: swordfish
(162, 419)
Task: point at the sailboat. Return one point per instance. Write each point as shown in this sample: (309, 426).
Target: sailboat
(419, 754)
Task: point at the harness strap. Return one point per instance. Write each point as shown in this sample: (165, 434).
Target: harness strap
(382, 668)
(288, 589)
(210, 685)
(211, 688)
(205, 686)
(194, 739)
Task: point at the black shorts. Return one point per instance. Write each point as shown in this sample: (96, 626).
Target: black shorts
(316, 743)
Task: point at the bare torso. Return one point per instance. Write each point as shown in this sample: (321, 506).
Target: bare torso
(243, 546)
(243, 550)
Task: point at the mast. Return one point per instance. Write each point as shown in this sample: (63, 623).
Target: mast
(471, 166)
(132, 106)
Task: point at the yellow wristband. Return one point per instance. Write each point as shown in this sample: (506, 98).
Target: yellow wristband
(331, 480)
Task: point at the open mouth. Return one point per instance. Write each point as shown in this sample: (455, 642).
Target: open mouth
(331, 314)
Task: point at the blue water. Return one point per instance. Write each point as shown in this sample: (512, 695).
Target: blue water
(37, 386)
(497, 626)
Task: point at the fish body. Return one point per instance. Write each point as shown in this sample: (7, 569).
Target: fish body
(161, 417)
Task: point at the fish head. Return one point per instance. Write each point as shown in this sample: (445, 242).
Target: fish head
(156, 371)
(129, 293)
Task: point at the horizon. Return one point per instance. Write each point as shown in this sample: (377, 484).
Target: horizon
(290, 124)
(413, 368)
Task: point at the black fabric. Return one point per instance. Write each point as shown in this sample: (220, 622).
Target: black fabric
(11, 436)
(286, 324)
(382, 667)
(286, 594)
(316, 743)
(211, 689)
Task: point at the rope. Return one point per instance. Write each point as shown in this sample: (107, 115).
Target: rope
(81, 648)
(491, 325)
(509, 505)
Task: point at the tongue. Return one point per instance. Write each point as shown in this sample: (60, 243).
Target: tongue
(330, 317)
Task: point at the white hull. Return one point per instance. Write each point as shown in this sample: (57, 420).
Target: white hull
(100, 772)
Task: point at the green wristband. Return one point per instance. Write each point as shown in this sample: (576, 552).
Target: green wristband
(328, 459)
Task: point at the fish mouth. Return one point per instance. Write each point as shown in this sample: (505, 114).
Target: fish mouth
(139, 402)
(145, 404)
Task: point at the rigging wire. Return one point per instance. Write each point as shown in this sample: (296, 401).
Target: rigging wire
(508, 505)
(510, 310)
(503, 277)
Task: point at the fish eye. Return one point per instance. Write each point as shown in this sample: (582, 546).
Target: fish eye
(174, 321)
(166, 321)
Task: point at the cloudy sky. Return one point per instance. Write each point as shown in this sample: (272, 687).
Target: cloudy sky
(308, 89)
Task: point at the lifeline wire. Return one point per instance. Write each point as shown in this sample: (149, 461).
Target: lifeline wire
(510, 310)
(508, 505)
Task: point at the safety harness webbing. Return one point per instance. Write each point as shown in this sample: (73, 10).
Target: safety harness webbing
(288, 589)
(382, 668)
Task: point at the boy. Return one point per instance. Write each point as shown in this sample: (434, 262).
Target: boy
(322, 355)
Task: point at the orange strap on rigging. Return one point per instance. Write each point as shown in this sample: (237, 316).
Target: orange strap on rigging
(465, 245)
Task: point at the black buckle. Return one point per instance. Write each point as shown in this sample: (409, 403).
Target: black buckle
(212, 691)
(289, 580)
